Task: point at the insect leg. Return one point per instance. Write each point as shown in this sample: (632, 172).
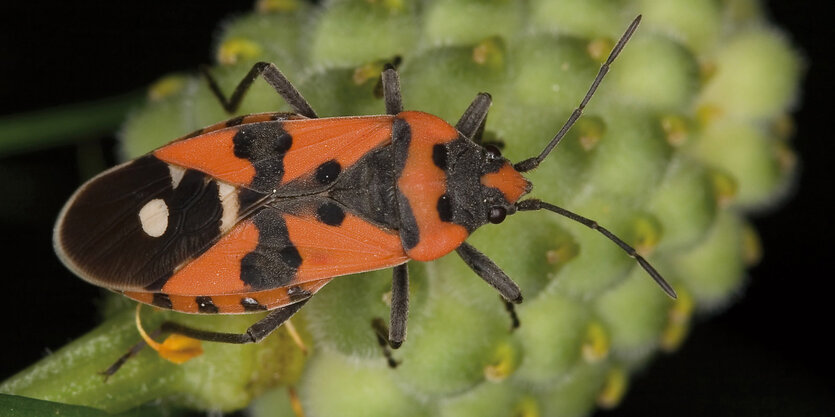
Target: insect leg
(391, 90)
(107, 373)
(254, 334)
(490, 272)
(511, 311)
(381, 332)
(471, 124)
(399, 305)
(273, 77)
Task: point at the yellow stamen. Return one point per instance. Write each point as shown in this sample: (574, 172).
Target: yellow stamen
(294, 334)
(504, 362)
(527, 407)
(590, 129)
(676, 128)
(613, 388)
(678, 324)
(595, 343)
(176, 348)
(725, 187)
(598, 49)
(295, 402)
(166, 87)
(236, 49)
(647, 234)
(366, 72)
(708, 113)
(752, 248)
(273, 6)
(489, 52)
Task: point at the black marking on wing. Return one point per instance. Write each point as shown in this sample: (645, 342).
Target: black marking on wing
(100, 234)
(328, 172)
(206, 305)
(235, 121)
(251, 305)
(264, 146)
(275, 260)
(330, 214)
(161, 300)
(297, 293)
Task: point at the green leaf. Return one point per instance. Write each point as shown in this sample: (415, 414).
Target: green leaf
(15, 406)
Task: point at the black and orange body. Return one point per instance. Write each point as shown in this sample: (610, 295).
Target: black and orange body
(246, 213)
(259, 212)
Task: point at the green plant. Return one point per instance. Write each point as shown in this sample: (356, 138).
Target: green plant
(686, 134)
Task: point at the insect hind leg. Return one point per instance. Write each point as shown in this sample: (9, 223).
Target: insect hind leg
(254, 334)
(133, 351)
(273, 77)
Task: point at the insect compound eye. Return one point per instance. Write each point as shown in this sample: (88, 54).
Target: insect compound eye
(496, 214)
(493, 151)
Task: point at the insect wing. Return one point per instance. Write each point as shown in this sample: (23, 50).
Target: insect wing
(134, 226)
(138, 222)
(284, 158)
(270, 259)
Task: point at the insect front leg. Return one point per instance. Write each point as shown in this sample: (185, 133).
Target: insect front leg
(273, 77)
(471, 124)
(391, 90)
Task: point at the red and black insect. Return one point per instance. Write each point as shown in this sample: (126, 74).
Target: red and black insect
(259, 212)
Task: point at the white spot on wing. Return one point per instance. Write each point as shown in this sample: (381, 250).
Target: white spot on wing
(176, 175)
(229, 201)
(154, 217)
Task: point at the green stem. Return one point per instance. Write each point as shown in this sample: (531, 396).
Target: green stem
(61, 125)
(225, 377)
(71, 375)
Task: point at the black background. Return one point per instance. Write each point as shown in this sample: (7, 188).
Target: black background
(768, 354)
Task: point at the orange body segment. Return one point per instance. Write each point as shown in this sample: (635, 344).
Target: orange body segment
(507, 180)
(423, 183)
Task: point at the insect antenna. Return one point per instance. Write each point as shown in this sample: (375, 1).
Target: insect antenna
(531, 163)
(534, 204)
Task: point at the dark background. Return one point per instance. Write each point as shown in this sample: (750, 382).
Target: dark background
(766, 355)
